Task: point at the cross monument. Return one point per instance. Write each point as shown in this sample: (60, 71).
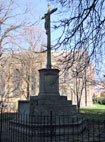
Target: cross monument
(47, 27)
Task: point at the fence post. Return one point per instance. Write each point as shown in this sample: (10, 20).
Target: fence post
(1, 123)
(104, 123)
(51, 127)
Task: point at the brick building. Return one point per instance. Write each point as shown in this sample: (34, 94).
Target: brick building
(99, 90)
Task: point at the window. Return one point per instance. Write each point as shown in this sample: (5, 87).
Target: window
(2, 84)
(16, 83)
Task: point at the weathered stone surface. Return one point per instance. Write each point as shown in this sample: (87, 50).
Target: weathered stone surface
(57, 104)
(23, 107)
(49, 99)
(50, 102)
(49, 82)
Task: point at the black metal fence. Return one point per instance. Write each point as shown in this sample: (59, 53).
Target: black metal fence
(24, 128)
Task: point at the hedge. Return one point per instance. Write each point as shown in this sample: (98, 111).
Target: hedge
(97, 100)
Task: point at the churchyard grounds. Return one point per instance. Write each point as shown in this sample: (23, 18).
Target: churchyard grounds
(95, 112)
(94, 131)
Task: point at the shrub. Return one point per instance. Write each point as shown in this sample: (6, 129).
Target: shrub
(97, 100)
(103, 101)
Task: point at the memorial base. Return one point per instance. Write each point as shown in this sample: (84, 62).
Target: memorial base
(51, 115)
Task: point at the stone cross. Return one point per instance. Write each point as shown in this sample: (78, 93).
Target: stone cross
(47, 27)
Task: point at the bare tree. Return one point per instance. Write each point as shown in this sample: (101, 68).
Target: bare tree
(12, 19)
(76, 81)
(81, 27)
(32, 37)
(13, 24)
(22, 65)
(29, 40)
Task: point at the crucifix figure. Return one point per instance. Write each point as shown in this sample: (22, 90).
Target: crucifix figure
(47, 27)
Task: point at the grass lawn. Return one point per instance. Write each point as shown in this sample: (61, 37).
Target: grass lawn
(97, 111)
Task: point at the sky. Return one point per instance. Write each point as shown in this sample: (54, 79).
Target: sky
(38, 8)
(42, 7)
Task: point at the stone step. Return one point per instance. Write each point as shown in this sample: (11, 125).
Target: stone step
(51, 100)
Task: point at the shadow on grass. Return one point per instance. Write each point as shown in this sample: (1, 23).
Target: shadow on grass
(93, 113)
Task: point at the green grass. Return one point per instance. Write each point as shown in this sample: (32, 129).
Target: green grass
(97, 111)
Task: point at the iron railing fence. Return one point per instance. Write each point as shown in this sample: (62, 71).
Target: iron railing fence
(16, 127)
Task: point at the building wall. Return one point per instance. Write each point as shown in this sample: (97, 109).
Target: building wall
(22, 78)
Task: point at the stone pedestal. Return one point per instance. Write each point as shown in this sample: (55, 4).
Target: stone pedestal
(49, 82)
(58, 105)
(48, 99)
(48, 112)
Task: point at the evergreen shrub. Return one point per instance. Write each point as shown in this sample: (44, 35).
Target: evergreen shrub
(97, 100)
